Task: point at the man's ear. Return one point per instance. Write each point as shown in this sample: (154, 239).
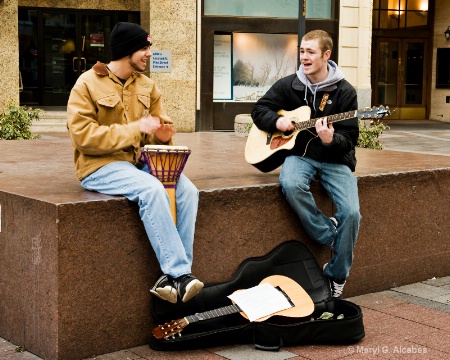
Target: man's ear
(326, 55)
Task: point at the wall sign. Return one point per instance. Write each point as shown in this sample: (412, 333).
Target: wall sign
(161, 61)
(97, 40)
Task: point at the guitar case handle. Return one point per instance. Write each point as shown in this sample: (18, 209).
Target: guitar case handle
(267, 348)
(267, 340)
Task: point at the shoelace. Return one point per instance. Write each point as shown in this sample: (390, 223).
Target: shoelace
(337, 289)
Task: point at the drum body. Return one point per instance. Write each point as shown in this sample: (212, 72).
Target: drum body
(166, 163)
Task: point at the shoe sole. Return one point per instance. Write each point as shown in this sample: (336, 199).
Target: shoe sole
(169, 295)
(193, 288)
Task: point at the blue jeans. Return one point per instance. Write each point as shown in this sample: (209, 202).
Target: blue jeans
(341, 185)
(173, 245)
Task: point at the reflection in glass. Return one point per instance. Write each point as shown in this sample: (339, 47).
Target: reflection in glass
(315, 9)
(413, 73)
(387, 72)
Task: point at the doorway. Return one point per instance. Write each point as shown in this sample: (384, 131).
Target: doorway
(57, 45)
(400, 76)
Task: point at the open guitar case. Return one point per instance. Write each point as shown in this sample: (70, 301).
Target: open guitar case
(292, 259)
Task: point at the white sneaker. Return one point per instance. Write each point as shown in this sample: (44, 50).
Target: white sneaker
(336, 287)
(164, 289)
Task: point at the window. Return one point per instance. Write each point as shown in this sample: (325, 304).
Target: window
(394, 14)
(315, 9)
(247, 64)
(443, 68)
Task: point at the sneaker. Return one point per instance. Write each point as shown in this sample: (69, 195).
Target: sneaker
(336, 286)
(188, 286)
(336, 289)
(164, 289)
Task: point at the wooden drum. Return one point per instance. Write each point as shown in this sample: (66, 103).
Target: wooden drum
(166, 163)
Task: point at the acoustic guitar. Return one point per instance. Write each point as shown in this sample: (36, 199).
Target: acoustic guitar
(301, 302)
(267, 151)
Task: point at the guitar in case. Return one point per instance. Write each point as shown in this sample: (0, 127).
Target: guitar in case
(211, 319)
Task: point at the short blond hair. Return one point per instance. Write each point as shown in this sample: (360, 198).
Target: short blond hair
(324, 39)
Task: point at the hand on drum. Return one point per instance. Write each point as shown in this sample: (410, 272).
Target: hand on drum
(152, 125)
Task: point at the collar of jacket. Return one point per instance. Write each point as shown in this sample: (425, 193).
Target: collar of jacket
(100, 68)
(298, 85)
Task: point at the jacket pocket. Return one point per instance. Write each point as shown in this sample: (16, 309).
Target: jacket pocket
(144, 100)
(109, 109)
(109, 100)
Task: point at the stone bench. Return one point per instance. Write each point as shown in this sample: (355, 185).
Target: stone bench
(76, 267)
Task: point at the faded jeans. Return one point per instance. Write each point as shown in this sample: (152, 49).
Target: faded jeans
(341, 185)
(173, 245)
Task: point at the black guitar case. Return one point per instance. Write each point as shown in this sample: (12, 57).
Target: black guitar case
(292, 259)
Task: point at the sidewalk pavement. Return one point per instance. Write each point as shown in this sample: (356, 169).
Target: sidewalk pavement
(407, 322)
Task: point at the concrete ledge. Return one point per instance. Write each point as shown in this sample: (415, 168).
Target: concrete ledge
(75, 268)
(79, 274)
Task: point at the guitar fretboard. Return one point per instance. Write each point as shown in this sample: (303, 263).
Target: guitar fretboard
(211, 314)
(302, 125)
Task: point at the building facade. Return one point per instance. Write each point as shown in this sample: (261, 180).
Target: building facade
(213, 59)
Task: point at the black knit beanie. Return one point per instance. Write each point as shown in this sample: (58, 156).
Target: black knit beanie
(126, 38)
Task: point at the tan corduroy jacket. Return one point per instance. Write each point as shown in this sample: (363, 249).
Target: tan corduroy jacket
(103, 114)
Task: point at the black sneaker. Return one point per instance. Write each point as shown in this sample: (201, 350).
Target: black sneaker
(336, 289)
(187, 286)
(164, 289)
(336, 286)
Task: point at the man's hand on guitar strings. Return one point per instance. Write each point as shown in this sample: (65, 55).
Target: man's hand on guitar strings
(284, 124)
(324, 130)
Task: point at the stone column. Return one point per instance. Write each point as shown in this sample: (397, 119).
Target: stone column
(145, 14)
(355, 46)
(9, 52)
(173, 26)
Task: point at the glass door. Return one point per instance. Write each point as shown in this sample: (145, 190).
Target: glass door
(386, 83)
(399, 79)
(57, 45)
(94, 40)
(59, 52)
(73, 43)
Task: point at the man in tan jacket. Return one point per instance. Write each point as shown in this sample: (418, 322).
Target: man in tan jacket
(113, 111)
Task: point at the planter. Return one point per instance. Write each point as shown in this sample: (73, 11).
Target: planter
(242, 124)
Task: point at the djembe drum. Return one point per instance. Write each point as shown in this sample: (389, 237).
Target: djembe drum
(166, 163)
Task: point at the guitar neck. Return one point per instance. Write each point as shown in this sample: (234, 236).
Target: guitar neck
(302, 125)
(211, 314)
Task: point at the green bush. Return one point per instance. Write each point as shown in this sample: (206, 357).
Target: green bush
(369, 134)
(16, 121)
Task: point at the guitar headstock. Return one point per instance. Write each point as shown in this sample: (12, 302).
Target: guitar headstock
(170, 329)
(376, 112)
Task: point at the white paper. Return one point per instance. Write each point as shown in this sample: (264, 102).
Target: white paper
(259, 301)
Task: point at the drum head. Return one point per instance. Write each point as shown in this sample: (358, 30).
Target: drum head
(165, 148)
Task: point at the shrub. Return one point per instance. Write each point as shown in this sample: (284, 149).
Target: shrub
(16, 121)
(369, 134)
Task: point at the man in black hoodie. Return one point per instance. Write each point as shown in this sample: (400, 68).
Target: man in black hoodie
(325, 152)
